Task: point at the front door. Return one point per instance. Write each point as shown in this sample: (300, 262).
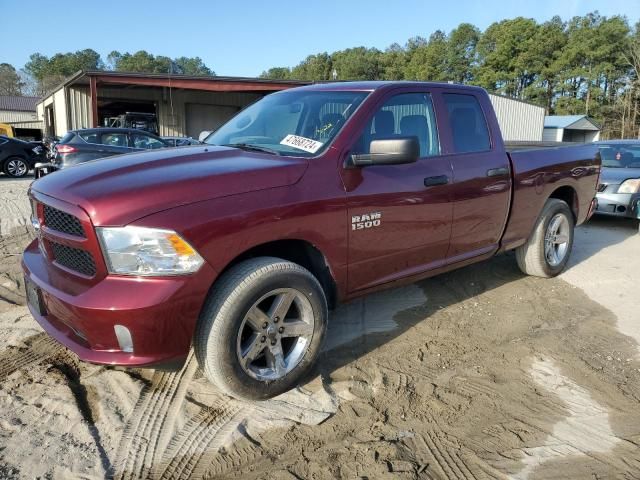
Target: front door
(400, 215)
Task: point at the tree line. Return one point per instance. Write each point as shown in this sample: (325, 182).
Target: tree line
(587, 65)
(41, 73)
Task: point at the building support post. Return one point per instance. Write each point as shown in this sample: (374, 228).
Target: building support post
(93, 93)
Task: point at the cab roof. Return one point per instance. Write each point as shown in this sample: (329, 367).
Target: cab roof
(371, 85)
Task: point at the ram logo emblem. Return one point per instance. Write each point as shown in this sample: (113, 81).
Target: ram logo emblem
(366, 220)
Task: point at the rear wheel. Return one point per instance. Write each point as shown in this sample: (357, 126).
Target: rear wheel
(547, 251)
(261, 328)
(16, 167)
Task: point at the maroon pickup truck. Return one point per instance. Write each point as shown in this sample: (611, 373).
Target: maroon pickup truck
(309, 197)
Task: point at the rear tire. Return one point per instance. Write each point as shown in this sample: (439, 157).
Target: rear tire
(245, 340)
(547, 251)
(16, 167)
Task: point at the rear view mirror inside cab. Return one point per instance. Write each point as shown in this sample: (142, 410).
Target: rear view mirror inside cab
(243, 122)
(295, 108)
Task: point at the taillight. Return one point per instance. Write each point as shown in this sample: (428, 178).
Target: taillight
(65, 149)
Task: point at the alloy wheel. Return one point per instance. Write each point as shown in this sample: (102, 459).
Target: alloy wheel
(275, 334)
(556, 240)
(17, 168)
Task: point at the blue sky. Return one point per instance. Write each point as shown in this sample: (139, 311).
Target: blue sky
(245, 37)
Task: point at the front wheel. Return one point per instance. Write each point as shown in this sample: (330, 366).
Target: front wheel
(16, 167)
(261, 328)
(547, 251)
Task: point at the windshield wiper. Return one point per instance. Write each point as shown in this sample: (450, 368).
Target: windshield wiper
(253, 148)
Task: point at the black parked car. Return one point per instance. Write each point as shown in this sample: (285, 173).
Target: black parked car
(79, 146)
(17, 157)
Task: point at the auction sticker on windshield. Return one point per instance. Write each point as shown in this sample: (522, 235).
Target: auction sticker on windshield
(302, 143)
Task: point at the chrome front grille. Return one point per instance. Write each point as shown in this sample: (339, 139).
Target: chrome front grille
(62, 222)
(74, 259)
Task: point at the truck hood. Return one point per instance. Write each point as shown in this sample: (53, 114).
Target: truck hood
(118, 190)
(611, 176)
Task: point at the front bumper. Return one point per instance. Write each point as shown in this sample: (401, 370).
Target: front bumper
(159, 313)
(618, 204)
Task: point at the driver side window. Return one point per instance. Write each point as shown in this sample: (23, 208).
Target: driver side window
(403, 115)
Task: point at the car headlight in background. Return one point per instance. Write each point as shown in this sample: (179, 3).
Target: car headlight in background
(147, 251)
(630, 186)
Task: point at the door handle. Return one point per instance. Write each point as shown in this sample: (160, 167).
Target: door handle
(498, 172)
(437, 180)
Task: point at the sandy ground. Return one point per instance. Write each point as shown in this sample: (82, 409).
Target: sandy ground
(479, 373)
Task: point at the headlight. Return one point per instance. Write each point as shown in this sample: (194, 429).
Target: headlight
(630, 186)
(147, 251)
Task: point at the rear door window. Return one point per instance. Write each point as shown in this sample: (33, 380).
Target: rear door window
(90, 137)
(67, 138)
(468, 124)
(115, 139)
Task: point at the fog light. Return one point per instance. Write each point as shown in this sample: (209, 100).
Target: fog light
(124, 338)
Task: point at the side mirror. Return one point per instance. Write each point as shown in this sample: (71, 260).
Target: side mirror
(390, 151)
(204, 134)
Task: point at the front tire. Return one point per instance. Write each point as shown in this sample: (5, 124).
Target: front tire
(547, 251)
(16, 167)
(261, 328)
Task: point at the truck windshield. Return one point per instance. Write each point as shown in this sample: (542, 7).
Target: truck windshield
(290, 123)
(620, 155)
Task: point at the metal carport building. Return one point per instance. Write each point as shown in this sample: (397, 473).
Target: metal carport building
(185, 105)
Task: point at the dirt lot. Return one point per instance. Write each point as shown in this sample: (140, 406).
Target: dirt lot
(480, 373)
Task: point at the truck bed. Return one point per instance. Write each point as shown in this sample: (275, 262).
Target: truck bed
(568, 171)
(533, 145)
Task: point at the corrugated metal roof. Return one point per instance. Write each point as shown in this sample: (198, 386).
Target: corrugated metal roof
(142, 75)
(18, 104)
(565, 121)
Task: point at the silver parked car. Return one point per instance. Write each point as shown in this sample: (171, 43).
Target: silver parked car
(619, 188)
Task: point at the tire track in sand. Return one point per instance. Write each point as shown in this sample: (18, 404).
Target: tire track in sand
(447, 460)
(37, 349)
(191, 453)
(199, 449)
(151, 423)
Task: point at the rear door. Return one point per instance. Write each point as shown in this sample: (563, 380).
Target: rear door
(481, 173)
(400, 215)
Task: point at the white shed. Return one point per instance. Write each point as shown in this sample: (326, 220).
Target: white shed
(570, 128)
